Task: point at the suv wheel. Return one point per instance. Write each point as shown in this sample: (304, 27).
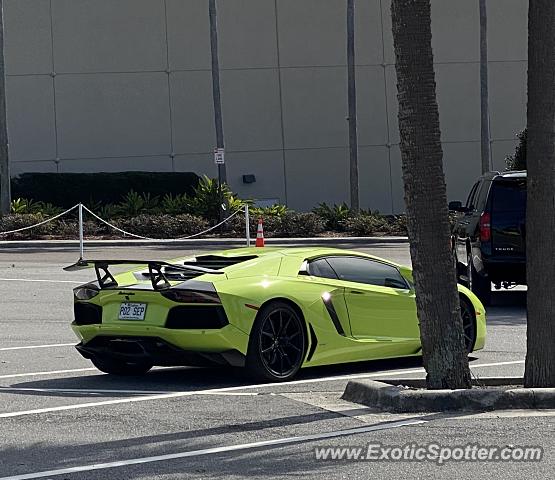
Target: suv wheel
(480, 286)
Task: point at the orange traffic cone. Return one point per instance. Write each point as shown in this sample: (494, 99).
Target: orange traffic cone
(260, 234)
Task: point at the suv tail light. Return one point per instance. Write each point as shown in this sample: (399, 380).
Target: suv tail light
(485, 227)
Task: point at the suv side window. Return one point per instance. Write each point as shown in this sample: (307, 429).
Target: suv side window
(482, 196)
(471, 201)
(364, 270)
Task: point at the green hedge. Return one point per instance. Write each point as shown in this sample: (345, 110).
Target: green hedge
(68, 189)
(154, 226)
(290, 224)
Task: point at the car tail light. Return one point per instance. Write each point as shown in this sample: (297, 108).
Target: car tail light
(192, 296)
(485, 227)
(85, 292)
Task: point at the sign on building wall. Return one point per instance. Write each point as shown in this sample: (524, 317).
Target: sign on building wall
(219, 156)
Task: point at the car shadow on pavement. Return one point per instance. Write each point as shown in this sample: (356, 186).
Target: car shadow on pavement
(254, 462)
(188, 379)
(257, 462)
(507, 308)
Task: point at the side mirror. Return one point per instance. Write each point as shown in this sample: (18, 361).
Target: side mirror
(456, 206)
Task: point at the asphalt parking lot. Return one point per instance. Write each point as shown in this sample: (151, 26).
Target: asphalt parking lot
(61, 418)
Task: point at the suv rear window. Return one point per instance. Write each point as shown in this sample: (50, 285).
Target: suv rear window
(509, 196)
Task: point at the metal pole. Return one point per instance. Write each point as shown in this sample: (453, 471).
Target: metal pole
(5, 189)
(81, 240)
(484, 89)
(352, 97)
(216, 94)
(247, 225)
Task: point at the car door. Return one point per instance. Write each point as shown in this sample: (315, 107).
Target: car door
(464, 227)
(380, 302)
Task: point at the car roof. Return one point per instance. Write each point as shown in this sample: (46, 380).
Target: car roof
(302, 253)
(312, 251)
(505, 175)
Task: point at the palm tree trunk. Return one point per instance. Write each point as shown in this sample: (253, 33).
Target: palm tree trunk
(540, 215)
(437, 299)
(5, 195)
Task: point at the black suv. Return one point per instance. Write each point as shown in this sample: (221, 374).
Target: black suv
(489, 235)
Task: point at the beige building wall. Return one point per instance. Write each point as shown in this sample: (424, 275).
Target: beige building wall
(106, 85)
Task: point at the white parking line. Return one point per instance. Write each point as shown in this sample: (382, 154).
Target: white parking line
(230, 389)
(40, 280)
(118, 392)
(28, 347)
(51, 372)
(223, 449)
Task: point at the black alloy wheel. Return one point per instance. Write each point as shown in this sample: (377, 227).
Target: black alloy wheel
(277, 345)
(469, 324)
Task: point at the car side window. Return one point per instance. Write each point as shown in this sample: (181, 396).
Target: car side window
(321, 268)
(367, 271)
(471, 201)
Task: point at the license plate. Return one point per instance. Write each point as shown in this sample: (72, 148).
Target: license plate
(132, 311)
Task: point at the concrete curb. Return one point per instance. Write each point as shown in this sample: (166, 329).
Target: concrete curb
(401, 396)
(201, 242)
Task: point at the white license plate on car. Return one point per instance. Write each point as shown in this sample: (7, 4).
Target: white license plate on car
(132, 311)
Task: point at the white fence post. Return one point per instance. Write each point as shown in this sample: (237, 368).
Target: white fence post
(247, 225)
(81, 243)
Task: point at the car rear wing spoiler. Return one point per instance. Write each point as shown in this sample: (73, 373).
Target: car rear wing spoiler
(155, 271)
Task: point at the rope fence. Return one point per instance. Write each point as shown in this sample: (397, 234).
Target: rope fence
(41, 223)
(148, 238)
(82, 208)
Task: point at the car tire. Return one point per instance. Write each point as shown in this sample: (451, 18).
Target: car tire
(277, 344)
(468, 317)
(120, 368)
(480, 286)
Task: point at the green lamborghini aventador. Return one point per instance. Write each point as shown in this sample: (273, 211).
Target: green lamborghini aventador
(271, 310)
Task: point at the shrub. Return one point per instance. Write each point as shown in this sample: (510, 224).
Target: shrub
(399, 225)
(162, 226)
(175, 204)
(70, 229)
(291, 224)
(517, 161)
(16, 221)
(335, 217)
(24, 206)
(134, 203)
(294, 224)
(365, 225)
(207, 199)
(107, 211)
(274, 210)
